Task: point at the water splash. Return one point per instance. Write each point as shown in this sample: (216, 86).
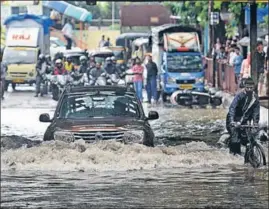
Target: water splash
(110, 155)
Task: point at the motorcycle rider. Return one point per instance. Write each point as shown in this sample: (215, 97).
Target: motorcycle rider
(244, 109)
(96, 72)
(83, 65)
(77, 74)
(58, 70)
(120, 68)
(68, 65)
(41, 68)
(91, 62)
(110, 68)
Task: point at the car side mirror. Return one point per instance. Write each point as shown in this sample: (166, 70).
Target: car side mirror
(45, 118)
(54, 45)
(153, 115)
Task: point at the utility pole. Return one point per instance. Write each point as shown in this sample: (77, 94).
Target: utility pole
(209, 27)
(253, 40)
(113, 13)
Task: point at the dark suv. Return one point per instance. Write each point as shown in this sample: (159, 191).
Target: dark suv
(100, 113)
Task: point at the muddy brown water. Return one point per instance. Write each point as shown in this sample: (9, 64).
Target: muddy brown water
(184, 170)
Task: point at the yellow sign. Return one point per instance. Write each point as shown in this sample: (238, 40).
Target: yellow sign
(18, 81)
(185, 86)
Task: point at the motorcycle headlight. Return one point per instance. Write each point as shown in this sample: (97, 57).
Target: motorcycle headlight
(136, 136)
(64, 136)
(199, 80)
(171, 80)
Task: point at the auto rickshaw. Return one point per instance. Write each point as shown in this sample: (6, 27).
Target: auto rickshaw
(119, 53)
(140, 48)
(101, 55)
(125, 40)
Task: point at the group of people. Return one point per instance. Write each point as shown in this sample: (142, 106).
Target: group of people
(231, 54)
(144, 74)
(104, 43)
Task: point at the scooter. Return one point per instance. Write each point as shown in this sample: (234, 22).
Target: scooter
(190, 98)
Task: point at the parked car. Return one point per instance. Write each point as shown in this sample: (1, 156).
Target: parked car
(57, 45)
(100, 113)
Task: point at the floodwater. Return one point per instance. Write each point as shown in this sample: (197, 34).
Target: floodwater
(184, 170)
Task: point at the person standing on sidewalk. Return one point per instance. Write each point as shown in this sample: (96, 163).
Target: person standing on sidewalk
(260, 56)
(152, 72)
(237, 64)
(138, 70)
(68, 33)
(246, 68)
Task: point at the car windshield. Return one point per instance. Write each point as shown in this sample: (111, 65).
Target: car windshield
(99, 105)
(19, 56)
(184, 63)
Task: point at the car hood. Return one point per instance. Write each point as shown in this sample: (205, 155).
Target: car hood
(100, 124)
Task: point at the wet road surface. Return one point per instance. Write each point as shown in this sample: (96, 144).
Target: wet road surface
(184, 170)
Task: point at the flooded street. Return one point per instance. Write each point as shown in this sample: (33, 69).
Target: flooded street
(184, 170)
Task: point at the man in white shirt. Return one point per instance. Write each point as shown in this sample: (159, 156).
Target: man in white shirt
(102, 42)
(68, 33)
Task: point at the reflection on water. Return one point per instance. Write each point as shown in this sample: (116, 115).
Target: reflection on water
(173, 188)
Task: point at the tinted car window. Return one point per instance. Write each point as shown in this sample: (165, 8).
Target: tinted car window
(99, 105)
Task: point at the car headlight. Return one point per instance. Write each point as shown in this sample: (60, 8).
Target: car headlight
(64, 136)
(171, 80)
(200, 80)
(136, 136)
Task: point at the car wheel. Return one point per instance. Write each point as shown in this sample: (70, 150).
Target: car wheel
(48, 136)
(148, 140)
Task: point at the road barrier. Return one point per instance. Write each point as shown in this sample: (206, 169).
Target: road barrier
(224, 76)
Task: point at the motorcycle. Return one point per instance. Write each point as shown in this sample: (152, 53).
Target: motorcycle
(45, 83)
(115, 80)
(100, 81)
(77, 79)
(58, 84)
(129, 76)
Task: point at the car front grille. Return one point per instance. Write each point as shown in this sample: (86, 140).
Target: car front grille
(101, 135)
(18, 74)
(185, 81)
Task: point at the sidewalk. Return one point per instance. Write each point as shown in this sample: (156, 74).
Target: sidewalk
(228, 98)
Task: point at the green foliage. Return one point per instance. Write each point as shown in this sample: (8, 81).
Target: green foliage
(116, 27)
(189, 11)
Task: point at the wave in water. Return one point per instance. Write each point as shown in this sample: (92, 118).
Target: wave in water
(111, 155)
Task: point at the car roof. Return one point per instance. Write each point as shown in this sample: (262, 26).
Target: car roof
(87, 89)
